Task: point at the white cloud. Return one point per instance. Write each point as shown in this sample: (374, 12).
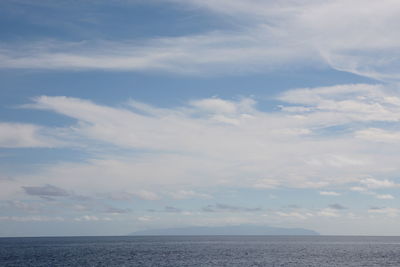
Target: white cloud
(374, 183)
(88, 218)
(343, 104)
(371, 183)
(146, 195)
(163, 150)
(269, 35)
(384, 196)
(267, 183)
(358, 189)
(296, 215)
(329, 193)
(328, 212)
(146, 218)
(215, 105)
(378, 135)
(362, 41)
(185, 194)
(389, 212)
(215, 52)
(31, 219)
(307, 214)
(126, 194)
(14, 135)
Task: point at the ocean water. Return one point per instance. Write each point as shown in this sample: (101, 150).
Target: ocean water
(201, 251)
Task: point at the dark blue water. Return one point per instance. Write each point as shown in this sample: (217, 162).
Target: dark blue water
(201, 251)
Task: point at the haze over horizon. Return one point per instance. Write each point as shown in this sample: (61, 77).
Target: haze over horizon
(125, 115)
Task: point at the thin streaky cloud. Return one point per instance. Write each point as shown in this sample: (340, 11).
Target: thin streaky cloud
(283, 35)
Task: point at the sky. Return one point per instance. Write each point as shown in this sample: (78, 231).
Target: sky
(124, 115)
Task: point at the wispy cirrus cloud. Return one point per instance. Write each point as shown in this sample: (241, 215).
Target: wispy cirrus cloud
(19, 135)
(269, 35)
(216, 53)
(363, 41)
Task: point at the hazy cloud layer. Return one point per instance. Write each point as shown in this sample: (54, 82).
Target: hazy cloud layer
(229, 208)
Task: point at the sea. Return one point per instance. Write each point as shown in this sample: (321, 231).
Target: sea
(201, 251)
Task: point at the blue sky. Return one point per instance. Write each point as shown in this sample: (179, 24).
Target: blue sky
(125, 115)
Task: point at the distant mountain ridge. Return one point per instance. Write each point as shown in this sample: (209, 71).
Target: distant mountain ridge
(227, 230)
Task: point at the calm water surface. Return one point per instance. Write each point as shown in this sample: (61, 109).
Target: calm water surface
(201, 251)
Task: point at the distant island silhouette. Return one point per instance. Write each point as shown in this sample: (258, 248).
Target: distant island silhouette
(227, 230)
